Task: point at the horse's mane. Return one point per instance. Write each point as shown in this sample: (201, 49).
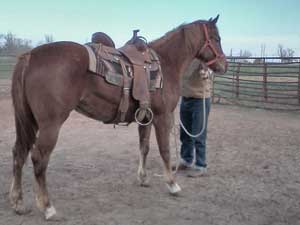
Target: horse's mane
(170, 33)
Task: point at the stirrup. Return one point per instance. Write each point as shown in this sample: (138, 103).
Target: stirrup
(140, 122)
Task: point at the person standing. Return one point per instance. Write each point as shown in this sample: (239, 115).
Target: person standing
(196, 88)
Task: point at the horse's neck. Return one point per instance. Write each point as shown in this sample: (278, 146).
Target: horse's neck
(174, 58)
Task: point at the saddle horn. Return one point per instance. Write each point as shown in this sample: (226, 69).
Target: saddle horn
(139, 41)
(135, 32)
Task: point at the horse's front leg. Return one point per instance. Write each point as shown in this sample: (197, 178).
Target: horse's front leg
(144, 133)
(163, 125)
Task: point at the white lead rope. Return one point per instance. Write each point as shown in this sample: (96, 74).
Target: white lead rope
(191, 135)
(203, 125)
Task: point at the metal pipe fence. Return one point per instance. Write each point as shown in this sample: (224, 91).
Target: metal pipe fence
(268, 82)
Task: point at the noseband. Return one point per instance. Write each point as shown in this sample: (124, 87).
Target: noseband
(208, 44)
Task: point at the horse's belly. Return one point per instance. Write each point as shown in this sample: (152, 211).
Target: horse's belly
(97, 108)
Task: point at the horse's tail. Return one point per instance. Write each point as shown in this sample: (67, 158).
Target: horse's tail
(26, 125)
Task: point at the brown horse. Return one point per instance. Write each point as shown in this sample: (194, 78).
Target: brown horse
(52, 80)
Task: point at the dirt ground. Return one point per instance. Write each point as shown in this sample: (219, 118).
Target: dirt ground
(253, 175)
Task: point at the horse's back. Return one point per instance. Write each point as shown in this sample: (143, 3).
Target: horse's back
(60, 52)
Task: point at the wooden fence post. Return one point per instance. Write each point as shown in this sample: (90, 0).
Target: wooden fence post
(265, 80)
(299, 85)
(233, 79)
(237, 86)
(213, 89)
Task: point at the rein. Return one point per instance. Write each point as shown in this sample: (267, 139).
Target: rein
(208, 44)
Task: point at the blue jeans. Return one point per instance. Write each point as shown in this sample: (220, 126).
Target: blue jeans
(191, 115)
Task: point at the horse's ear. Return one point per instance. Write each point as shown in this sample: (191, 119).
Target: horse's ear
(215, 20)
(210, 19)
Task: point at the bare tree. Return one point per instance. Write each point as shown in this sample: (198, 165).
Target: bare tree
(11, 45)
(1, 42)
(9, 42)
(281, 51)
(285, 53)
(48, 38)
(230, 55)
(263, 50)
(245, 54)
(290, 52)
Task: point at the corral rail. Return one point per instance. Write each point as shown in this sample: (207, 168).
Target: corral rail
(260, 82)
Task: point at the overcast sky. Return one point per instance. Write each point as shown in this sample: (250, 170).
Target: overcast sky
(243, 24)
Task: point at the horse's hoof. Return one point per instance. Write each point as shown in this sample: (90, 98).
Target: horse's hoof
(174, 188)
(21, 210)
(145, 183)
(143, 180)
(50, 212)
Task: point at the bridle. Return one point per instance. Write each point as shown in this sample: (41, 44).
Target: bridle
(208, 44)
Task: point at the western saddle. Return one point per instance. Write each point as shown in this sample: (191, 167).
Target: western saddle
(135, 67)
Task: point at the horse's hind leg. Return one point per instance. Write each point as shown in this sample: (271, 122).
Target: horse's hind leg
(40, 156)
(16, 195)
(163, 125)
(144, 133)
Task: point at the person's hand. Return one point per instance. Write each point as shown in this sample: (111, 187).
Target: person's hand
(203, 70)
